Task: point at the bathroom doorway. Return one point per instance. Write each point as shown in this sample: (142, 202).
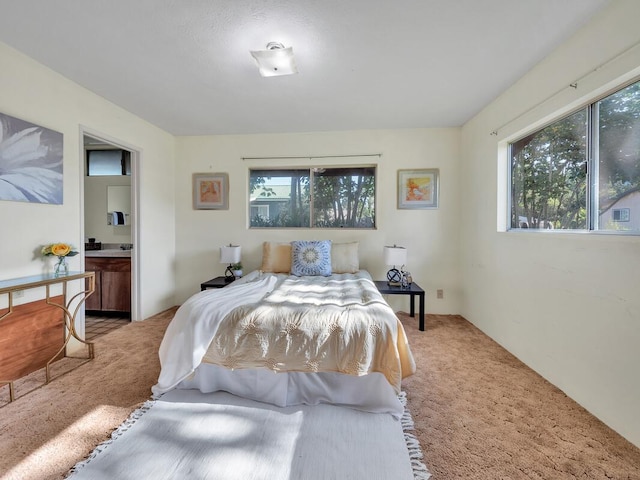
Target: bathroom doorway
(110, 226)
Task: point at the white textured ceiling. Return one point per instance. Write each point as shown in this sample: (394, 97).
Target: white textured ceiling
(184, 65)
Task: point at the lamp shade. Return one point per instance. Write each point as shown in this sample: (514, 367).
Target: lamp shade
(275, 60)
(395, 255)
(230, 254)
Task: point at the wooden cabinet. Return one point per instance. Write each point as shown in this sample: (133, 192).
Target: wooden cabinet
(30, 337)
(113, 284)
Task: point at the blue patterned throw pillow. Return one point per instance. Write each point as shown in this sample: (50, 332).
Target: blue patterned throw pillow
(311, 257)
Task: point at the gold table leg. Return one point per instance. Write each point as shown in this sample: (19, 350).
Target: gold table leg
(12, 393)
(70, 320)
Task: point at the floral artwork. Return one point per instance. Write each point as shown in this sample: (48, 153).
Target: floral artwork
(30, 162)
(210, 191)
(418, 188)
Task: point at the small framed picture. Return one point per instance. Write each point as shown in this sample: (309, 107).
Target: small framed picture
(418, 188)
(211, 191)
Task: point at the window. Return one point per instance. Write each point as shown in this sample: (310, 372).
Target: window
(260, 211)
(340, 197)
(108, 162)
(582, 172)
(620, 214)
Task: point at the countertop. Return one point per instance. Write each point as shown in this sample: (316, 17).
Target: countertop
(110, 252)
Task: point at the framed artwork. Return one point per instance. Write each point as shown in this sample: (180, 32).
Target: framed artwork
(211, 191)
(418, 188)
(30, 162)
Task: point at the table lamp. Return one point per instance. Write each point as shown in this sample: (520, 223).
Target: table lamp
(230, 254)
(395, 256)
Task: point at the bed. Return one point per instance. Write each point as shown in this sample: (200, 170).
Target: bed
(286, 339)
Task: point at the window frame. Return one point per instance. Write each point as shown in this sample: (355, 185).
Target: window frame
(310, 169)
(592, 164)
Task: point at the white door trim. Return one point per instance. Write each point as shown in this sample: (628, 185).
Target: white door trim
(136, 156)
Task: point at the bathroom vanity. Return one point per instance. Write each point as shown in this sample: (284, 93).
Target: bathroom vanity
(113, 280)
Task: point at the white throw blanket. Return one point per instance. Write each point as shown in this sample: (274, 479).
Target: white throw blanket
(195, 324)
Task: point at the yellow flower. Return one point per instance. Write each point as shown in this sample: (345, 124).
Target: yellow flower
(60, 249)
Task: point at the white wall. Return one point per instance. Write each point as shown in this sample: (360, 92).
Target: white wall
(32, 92)
(565, 304)
(430, 235)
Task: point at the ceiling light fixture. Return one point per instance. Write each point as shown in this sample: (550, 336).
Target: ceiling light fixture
(275, 60)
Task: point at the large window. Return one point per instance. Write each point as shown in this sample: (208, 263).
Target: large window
(581, 172)
(341, 197)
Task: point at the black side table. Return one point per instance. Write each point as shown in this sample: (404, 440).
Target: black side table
(412, 290)
(218, 282)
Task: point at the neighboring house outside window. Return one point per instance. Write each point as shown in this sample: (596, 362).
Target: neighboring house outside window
(260, 211)
(623, 213)
(269, 203)
(581, 172)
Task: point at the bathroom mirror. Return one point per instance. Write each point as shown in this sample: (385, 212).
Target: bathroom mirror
(119, 199)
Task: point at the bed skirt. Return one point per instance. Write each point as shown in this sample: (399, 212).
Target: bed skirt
(369, 393)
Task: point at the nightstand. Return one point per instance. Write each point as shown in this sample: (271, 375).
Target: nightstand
(412, 290)
(218, 282)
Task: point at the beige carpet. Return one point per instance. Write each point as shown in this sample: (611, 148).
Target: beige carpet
(478, 412)
(482, 414)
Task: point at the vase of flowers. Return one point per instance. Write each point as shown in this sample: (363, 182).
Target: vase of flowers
(62, 251)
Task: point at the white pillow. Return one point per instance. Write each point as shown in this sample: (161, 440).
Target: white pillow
(344, 257)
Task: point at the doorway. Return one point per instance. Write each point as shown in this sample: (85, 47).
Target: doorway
(103, 228)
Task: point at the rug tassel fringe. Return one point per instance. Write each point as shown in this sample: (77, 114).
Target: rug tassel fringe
(420, 471)
(124, 426)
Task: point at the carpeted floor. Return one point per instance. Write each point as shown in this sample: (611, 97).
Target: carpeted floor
(482, 414)
(478, 412)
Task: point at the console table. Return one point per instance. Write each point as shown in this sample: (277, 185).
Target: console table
(11, 286)
(412, 290)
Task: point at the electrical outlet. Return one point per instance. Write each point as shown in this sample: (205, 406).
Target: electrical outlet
(440, 293)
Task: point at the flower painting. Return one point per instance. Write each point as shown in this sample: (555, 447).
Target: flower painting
(210, 191)
(30, 162)
(418, 188)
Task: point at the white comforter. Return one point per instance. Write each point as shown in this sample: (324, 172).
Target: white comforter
(313, 330)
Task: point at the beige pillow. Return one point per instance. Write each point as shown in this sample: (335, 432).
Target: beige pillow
(344, 257)
(276, 257)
